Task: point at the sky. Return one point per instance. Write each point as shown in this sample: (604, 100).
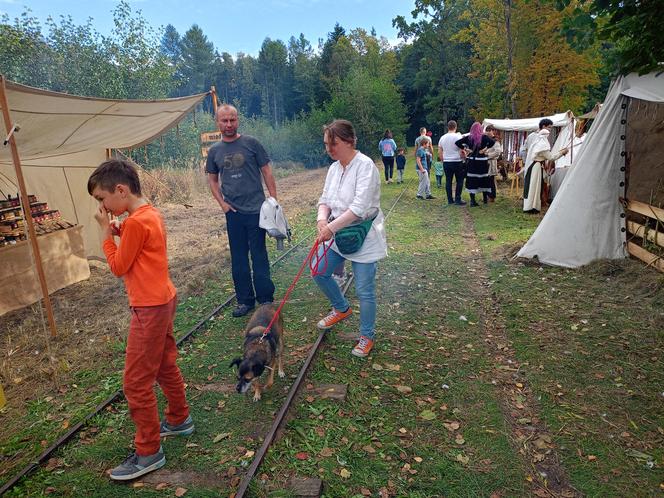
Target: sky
(233, 26)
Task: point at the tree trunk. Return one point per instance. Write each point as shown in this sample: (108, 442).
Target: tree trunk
(511, 84)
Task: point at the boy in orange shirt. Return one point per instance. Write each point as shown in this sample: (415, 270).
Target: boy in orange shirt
(141, 261)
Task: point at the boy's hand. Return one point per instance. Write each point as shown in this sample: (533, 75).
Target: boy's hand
(115, 226)
(102, 218)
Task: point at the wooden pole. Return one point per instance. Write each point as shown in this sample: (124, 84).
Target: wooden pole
(215, 102)
(25, 202)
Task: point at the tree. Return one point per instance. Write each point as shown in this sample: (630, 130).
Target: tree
(304, 76)
(272, 64)
(23, 50)
(197, 60)
(372, 104)
(434, 67)
(633, 26)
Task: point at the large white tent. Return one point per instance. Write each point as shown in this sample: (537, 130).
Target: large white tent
(621, 159)
(62, 138)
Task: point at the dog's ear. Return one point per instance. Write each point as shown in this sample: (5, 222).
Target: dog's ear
(235, 362)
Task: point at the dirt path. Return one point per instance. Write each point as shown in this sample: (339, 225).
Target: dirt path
(529, 436)
(92, 316)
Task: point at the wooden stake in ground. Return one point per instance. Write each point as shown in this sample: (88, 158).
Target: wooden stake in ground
(25, 203)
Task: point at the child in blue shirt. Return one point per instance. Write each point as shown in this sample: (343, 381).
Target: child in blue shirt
(422, 166)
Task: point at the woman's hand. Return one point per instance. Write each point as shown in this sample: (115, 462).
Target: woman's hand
(324, 232)
(320, 225)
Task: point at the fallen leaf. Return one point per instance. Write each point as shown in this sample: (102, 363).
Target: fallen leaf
(403, 430)
(249, 454)
(592, 457)
(428, 415)
(459, 439)
(345, 473)
(451, 426)
(462, 459)
(326, 452)
(404, 389)
(161, 485)
(369, 449)
(221, 436)
(376, 366)
(302, 455)
(418, 459)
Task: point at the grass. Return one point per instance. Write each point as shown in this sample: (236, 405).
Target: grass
(422, 416)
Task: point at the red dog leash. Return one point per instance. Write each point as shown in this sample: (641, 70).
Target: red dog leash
(314, 259)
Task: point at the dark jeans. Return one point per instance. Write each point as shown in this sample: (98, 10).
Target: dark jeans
(453, 168)
(439, 180)
(246, 237)
(388, 163)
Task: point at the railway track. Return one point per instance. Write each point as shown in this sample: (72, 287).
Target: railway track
(281, 414)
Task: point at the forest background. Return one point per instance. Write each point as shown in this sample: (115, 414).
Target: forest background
(457, 59)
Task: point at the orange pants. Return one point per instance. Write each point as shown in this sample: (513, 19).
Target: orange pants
(150, 357)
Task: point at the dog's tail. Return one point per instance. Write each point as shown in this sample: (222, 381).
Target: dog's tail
(235, 362)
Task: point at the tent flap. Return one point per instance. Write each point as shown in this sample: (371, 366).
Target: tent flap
(62, 138)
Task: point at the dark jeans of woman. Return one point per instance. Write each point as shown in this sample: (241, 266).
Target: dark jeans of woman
(388, 162)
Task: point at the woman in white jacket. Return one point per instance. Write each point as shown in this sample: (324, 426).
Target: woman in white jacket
(351, 195)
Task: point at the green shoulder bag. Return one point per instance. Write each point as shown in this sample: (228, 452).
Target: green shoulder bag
(349, 239)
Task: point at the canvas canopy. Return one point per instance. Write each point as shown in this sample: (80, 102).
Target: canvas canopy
(62, 138)
(620, 158)
(515, 131)
(527, 124)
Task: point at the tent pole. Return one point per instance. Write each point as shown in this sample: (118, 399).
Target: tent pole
(25, 201)
(215, 102)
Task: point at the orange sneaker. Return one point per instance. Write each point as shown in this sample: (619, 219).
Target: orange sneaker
(333, 318)
(363, 347)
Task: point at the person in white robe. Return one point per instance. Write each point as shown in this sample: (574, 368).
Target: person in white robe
(538, 152)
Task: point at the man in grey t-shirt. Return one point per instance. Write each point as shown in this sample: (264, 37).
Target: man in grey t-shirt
(236, 167)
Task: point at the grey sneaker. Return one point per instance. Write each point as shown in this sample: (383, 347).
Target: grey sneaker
(136, 466)
(183, 429)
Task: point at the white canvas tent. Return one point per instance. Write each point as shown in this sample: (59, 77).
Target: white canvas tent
(516, 130)
(62, 138)
(621, 158)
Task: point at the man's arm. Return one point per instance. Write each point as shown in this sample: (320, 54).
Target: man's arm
(270, 182)
(213, 182)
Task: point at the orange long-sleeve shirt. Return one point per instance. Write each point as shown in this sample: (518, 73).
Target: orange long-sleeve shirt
(141, 258)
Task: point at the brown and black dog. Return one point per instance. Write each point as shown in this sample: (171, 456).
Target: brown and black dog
(259, 355)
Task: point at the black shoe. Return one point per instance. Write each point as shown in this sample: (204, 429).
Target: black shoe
(420, 197)
(460, 203)
(241, 310)
(430, 197)
(474, 204)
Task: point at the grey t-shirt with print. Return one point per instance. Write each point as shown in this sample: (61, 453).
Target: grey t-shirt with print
(238, 165)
